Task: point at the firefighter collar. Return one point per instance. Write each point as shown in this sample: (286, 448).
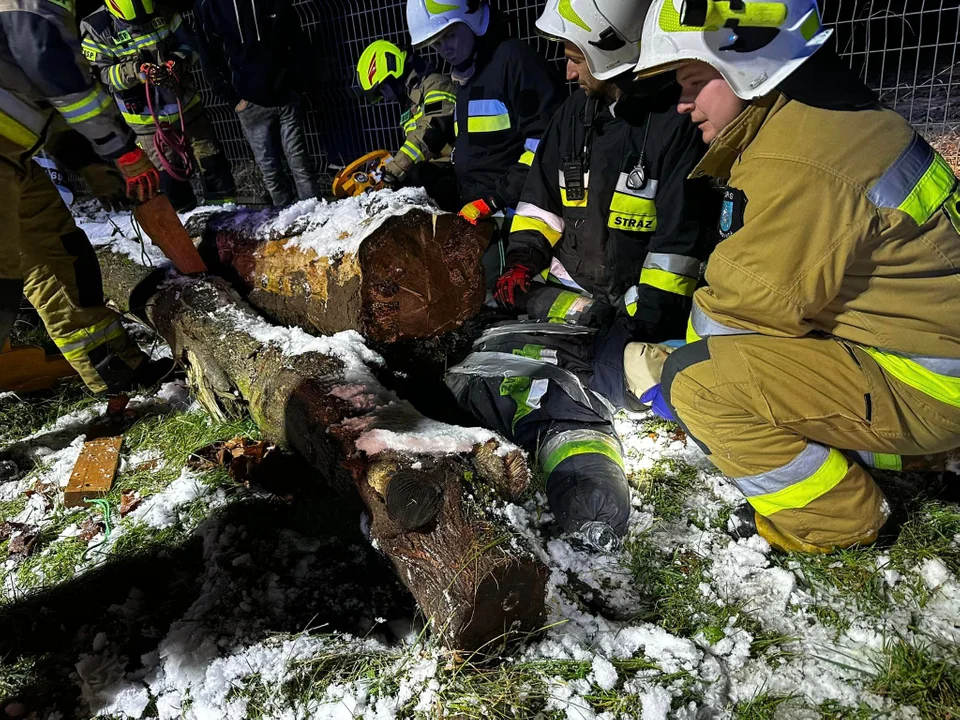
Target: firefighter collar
(734, 139)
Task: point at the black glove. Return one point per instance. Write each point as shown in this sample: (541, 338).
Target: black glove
(107, 185)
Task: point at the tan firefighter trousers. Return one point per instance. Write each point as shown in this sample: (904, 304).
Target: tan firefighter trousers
(787, 419)
(41, 245)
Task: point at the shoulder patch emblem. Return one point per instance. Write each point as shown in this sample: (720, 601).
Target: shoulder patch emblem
(731, 211)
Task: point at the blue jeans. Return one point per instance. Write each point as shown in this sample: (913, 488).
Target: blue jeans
(275, 132)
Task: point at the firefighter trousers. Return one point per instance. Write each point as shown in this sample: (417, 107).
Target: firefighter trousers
(531, 382)
(793, 421)
(45, 256)
(214, 168)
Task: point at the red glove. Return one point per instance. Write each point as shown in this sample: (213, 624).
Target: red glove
(478, 210)
(142, 178)
(517, 277)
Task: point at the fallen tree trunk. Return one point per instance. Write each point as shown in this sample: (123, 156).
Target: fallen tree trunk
(431, 489)
(416, 275)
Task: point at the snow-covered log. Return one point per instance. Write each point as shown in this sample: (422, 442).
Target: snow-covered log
(432, 490)
(386, 264)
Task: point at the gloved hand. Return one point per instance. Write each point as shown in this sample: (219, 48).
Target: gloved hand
(107, 185)
(388, 180)
(654, 398)
(478, 210)
(164, 76)
(515, 278)
(142, 178)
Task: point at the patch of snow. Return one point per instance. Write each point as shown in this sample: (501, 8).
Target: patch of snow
(934, 573)
(604, 674)
(162, 510)
(329, 229)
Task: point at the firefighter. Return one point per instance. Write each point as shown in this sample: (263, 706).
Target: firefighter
(611, 220)
(828, 337)
(506, 95)
(607, 214)
(46, 89)
(388, 72)
(144, 54)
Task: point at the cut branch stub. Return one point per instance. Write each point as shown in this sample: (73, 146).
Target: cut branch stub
(414, 499)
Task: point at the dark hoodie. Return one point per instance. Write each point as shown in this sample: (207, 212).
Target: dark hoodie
(250, 49)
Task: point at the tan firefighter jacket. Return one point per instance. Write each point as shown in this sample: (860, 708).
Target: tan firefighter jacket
(840, 223)
(427, 123)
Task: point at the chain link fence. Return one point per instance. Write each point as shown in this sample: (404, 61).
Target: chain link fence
(904, 49)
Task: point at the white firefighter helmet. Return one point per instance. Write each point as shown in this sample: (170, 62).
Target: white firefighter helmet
(625, 17)
(580, 22)
(428, 18)
(754, 45)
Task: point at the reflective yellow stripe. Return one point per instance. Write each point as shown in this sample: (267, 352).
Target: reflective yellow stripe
(527, 158)
(952, 206)
(801, 494)
(628, 212)
(93, 112)
(521, 223)
(561, 306)
(78, 345)
(928, 195)
(598, 446)
(574, 203)
(491, 123)
(668, 281)
(412, 152)
(17, 133)
(887, 461)
(440, 95)
(941, 387)
(692, 336)
(90, 97)
(133, 119)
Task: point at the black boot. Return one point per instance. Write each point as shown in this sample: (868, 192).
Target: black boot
(218, 186)
(178, 192)
(743, 521)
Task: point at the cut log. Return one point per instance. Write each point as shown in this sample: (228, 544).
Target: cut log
(417, 275)
(432, 513)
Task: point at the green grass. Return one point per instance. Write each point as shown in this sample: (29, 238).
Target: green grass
(665, 486)
(762, 707)
(55, 564)
(11, 508)
(910, 675)
(20, 417)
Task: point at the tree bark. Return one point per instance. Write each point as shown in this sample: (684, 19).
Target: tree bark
(418, 275)
(434, 516)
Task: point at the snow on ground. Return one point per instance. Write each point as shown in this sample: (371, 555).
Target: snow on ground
(214, 663)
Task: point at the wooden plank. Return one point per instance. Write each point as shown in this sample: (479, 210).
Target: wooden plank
(28, 368)
(95, 470)
(160, 222)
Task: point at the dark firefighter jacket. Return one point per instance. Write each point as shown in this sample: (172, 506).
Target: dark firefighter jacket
(637, 242)
(501, 115)
(253, 50)
(44, 81)
(116, 50)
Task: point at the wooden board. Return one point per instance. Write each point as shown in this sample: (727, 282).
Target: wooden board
(94, 472)
(160, 222)
(28, 369)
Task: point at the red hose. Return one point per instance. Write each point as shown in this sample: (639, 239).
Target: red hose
(169, 139)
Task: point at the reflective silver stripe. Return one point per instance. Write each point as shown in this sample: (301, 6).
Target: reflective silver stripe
(950, 367)
(631, 296)
(504, 365)
(529, 328)
(560, 273)
(530, 210)
(586, 180)
(902, 177)
(705, 326)
(31, 118)
(576, 436)
(797, 470)
(648, 191)
(676, 264)
(90, 338)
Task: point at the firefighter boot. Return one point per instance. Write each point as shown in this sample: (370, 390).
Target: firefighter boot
(218, 186)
